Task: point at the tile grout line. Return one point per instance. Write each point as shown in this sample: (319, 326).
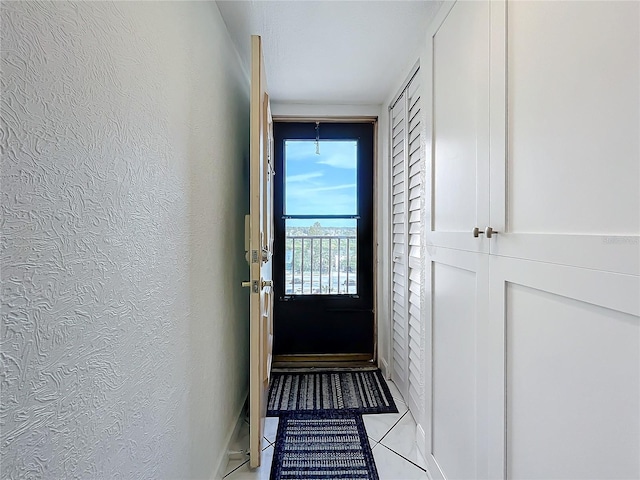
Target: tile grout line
(239, 466)
(392, 426)
(403, 457)
(397, 453)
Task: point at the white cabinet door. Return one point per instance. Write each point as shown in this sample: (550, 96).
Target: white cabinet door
(456, 393)
(534, 120)
(457, 79)
(564, 347)
(457, 200)
(565, 198)
(565, 148)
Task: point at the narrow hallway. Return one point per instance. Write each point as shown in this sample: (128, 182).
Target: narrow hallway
(391, 436)
(505, 232)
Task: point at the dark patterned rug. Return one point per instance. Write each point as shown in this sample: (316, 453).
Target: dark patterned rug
(322, 446)
(355, 392)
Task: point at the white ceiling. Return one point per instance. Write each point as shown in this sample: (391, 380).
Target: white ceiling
(331, 51)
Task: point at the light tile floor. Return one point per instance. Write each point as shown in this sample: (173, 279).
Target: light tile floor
(391, 436)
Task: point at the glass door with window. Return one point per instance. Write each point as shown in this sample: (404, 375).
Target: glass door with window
(323, 252)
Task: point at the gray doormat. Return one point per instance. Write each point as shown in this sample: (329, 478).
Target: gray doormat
(342, 391)
(322, 446)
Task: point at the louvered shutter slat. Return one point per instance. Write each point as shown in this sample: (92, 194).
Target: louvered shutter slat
(406, 190)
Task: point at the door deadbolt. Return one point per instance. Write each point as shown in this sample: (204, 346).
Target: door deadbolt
(253, 284)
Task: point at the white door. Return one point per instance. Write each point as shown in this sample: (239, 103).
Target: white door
(399, 333)
(260, 250)
(457, 79)
(565, 265)
(456, 76)
(406, 201)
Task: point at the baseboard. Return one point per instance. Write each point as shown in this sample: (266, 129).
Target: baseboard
(218, 473)
(421, 441)
(384, 367)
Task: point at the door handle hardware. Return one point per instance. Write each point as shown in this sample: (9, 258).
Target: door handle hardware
(476, 231)
(267, 283)
(489, 232)
(253, 284)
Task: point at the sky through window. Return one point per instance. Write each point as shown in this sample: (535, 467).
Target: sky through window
(324, 184)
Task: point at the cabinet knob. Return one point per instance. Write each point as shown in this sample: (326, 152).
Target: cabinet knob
(490, 232)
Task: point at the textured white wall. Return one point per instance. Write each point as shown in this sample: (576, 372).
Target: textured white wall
(124, 133)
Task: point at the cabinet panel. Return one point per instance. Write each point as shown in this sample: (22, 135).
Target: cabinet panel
(565, 175)
(567, 401)
(454, 370)
(457, 355)
(459, 134)
(565, 372)
(574, 117)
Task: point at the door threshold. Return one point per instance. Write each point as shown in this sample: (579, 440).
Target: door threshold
(317, 362)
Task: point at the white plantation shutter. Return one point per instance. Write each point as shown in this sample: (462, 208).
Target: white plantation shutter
(400, 352)
(406, 158)
(414, 165)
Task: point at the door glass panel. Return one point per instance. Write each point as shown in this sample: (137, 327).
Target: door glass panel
(321, 178)
(321, 256)
(321, 181)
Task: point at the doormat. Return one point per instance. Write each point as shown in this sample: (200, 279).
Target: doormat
(355, 392)
(322, 446)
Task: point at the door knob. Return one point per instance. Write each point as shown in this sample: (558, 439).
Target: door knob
(489, 232)
(476, 231)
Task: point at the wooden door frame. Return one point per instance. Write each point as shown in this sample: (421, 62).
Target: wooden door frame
(259, 255)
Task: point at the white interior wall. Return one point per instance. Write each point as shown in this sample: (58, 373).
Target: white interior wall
(124, 137)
